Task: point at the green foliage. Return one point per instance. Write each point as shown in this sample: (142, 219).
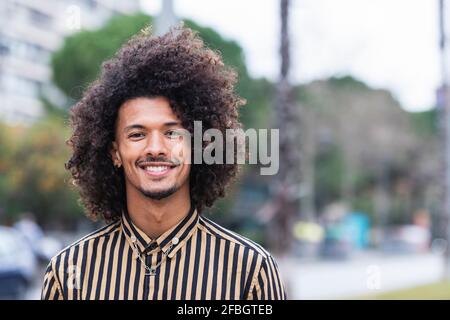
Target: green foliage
(347, 82)
(230, 50)
(33, 175)
(79, 60)
(329, 172)
(258, 93)
(51, 109)
(426, 123)
(433, 291)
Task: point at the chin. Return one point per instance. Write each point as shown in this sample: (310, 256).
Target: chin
(159, 194)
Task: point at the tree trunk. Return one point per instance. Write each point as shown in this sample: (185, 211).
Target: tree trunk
(287, 182)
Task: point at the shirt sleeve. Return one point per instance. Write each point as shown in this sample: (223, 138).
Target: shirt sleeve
(267, 283)
(51, 289)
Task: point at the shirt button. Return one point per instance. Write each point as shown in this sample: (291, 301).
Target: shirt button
(175, 240)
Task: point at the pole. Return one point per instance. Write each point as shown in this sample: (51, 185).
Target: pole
(444, 116)
(166, 18)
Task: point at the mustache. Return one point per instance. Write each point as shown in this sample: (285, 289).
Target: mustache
(150, 159)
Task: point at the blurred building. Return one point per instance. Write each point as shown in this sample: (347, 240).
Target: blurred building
(29, 32)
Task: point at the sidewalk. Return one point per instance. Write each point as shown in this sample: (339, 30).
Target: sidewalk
(367, 273)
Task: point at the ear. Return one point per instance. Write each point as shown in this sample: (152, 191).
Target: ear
(115, 156)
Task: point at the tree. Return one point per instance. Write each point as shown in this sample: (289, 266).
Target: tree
(362, 143)
(287, 182)
(34, 176)
(77, 63)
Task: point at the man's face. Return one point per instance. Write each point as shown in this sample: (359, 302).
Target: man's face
(151, 148)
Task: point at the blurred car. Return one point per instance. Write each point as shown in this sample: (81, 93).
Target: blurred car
(406, 239)
(307, 239)
(44, 247)
(18, 264)
(47, 247)
(336, 243)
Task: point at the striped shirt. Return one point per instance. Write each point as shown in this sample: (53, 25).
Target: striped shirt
(195, 259)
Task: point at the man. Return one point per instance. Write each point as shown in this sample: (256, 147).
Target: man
(132, 164)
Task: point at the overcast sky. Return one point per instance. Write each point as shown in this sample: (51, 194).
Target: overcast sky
(388, 44)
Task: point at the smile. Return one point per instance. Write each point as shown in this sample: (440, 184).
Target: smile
(156, 170)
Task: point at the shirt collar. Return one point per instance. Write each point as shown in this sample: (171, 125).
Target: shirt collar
(177, 235)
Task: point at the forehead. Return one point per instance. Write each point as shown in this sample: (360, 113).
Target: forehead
(146, 111)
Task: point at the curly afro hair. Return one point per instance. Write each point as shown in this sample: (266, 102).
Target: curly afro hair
(198, 86)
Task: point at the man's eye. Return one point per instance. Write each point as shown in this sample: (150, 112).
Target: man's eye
(173, 134)
(136, 135)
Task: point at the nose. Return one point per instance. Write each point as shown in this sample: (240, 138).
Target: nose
(156, 145)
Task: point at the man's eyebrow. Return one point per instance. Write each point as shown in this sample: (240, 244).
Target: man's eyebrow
(139, 126)
(133, 126)
(172, 123)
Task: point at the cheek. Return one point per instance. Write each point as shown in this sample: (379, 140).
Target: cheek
(130, 151)
(180, 152)
(188, 170)
(129, 155)
(184, 173)
(131, 171)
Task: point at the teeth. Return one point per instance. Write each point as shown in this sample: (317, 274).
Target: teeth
(156, 169)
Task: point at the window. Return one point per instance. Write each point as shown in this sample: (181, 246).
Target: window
(39, 18)
(4, 48)
(21, 86)
(24, 50)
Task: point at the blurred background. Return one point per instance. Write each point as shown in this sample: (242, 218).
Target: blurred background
(358, 89)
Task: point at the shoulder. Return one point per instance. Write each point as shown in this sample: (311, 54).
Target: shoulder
(265, 280)
(74, 252)
(229, 236)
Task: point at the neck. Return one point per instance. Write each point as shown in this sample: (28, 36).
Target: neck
(154, 217)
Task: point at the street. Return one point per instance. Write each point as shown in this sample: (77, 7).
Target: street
(369, 273)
